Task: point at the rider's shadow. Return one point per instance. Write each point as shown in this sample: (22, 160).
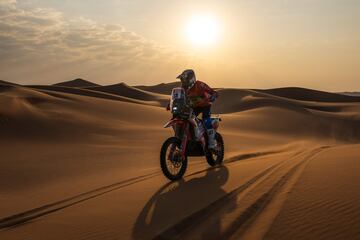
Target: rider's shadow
(177, 200)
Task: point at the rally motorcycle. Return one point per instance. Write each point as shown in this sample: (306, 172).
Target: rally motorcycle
(190, 138)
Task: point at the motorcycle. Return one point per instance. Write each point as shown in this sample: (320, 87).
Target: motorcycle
(190, 138)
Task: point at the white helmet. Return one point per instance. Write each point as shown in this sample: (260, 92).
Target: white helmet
(187, 78)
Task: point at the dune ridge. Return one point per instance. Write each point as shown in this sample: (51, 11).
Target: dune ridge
(125, 90)
(305, 94)
(78, 82)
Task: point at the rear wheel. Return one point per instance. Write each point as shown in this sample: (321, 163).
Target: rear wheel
(216, 156)
(172, 163)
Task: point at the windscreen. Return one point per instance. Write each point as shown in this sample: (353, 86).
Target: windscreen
(177, 100)
(178, 93)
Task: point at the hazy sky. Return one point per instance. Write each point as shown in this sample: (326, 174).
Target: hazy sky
(259, 43)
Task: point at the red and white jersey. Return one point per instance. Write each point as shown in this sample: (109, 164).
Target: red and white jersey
(200, 94)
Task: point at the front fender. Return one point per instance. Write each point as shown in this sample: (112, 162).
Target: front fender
(172, 122)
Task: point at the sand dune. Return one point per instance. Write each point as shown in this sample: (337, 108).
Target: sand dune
(81, 162)
(355, 94)
(60, 110)
(124, 90)
(162, 88)
(310, 95)
(79, 83)
(120, 92)
(90, 93)
(327, 120)
(8, 83)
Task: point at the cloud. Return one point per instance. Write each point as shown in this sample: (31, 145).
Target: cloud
(7, 3)
(45, 39)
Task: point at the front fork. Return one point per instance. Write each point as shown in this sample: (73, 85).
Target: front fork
(184, 142)
(181, 132)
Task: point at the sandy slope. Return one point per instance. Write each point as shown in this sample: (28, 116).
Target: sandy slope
(326, 194)
(83, 164)
(162, 88)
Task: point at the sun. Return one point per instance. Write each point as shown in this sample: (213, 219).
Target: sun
(202, 30)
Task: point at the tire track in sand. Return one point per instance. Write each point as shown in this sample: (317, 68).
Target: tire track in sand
(257, 218)
(25, 216)
(55, 206)
(251, 201)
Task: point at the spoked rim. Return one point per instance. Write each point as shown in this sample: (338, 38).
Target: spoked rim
(215, 156)
(215, 153)
(174, 159)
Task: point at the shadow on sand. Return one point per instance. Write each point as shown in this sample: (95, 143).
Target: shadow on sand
(177, 200)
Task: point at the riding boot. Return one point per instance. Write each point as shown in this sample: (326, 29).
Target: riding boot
(211, 137)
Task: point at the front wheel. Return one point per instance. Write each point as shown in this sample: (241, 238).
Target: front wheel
(216, 156)
(172, 163)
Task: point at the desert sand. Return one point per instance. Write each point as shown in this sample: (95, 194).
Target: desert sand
(81, 161)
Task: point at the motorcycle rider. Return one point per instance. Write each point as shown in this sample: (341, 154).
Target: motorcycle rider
(201, 97)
